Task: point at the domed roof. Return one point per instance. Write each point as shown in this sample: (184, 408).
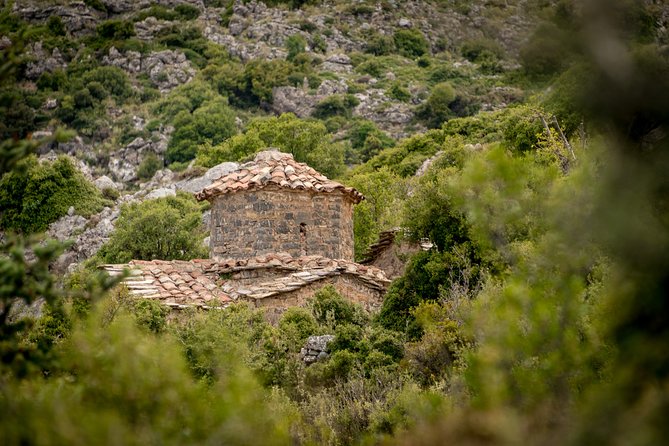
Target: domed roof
(273, 168)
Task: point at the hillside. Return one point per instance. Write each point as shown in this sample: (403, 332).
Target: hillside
(513, 158)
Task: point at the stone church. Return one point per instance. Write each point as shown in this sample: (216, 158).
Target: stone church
(280, 231)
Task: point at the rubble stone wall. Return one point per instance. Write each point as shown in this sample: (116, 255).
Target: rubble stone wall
(348, 286)
(252, 223)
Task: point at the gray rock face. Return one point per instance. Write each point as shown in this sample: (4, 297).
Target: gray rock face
(123, 163)
(104, 182)
(300, 102)
(123, 6)
(316, 348)
(167, 69)
(337, 63)
(197, 184)
(78, 18)
(389, 114)
(43, 61)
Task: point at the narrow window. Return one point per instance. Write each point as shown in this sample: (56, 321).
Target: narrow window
(303, 239)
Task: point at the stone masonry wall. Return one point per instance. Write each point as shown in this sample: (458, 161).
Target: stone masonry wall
(250, 223)
(348, 286)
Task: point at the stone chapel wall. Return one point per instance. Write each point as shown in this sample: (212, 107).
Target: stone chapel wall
(245, 224)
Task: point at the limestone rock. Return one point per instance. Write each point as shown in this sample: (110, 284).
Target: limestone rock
(43, 61)
(197, 184)
(104, 182)
(78, 18)
(316, 348)
(166, 69)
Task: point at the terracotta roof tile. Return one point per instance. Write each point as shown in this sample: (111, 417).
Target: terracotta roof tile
(201, 282)
(272, 168)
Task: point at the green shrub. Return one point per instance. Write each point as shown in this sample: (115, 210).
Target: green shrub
(187, 12)
(54, 81)
(298, 321)
(522, 128)
(399, 92)
(318, 44)
(96, 4)
(111, 193)
(165, 228)
(260, 77)
(150, 314)
(335, 105)
(30, 202)
(328, 307)
(113, 79)
(18, 117)
(477, 50)
(380, 44)
(295, 44)
(411, 43)
(437, 108)
(115, 30)
(373, 67)
(544, 55)
(150, 164)
(307, 140)
(212, 123)
(55, 26)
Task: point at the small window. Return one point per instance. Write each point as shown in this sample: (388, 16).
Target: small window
(303, 239)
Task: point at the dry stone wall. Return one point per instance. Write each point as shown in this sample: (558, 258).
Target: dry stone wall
(251, 223)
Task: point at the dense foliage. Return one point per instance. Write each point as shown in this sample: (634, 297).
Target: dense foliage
(37, 194)
(167, 228)
(536, 312)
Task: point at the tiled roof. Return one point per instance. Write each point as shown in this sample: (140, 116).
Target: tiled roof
(175, 283)
(211, 284)
(272, 168)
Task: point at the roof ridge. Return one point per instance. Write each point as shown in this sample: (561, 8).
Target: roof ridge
(271, 167)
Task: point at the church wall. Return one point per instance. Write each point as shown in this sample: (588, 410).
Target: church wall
(250, 223)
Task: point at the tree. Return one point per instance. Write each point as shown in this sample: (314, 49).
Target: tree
(436, 110)
(37, 194)
(165, 228)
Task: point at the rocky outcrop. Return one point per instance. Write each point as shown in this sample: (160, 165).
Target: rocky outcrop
(166, 69)
(316, 348)
(123, 6)
(88, 235)
(78, 18)
(42, 61)
(389, 114)
(123, 163)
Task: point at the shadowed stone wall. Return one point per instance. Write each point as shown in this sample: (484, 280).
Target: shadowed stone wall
(250, 223)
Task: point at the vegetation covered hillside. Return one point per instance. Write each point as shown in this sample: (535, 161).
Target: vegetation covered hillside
(526, 140)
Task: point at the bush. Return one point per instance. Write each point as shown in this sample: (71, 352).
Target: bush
(335, 105)
(437, 109)
(186, 11)
(260, 77)
(165, 228)
(380, 45)
(522, 128)
(411, 43)
(212, 123)
(150, 164)
(115, 30)
(329, 308)
(30, 202)
(55, 26)
(481, 49)
(399, 92)
(298, 321)
(113, 80)
(308, 141)
(295, 45)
